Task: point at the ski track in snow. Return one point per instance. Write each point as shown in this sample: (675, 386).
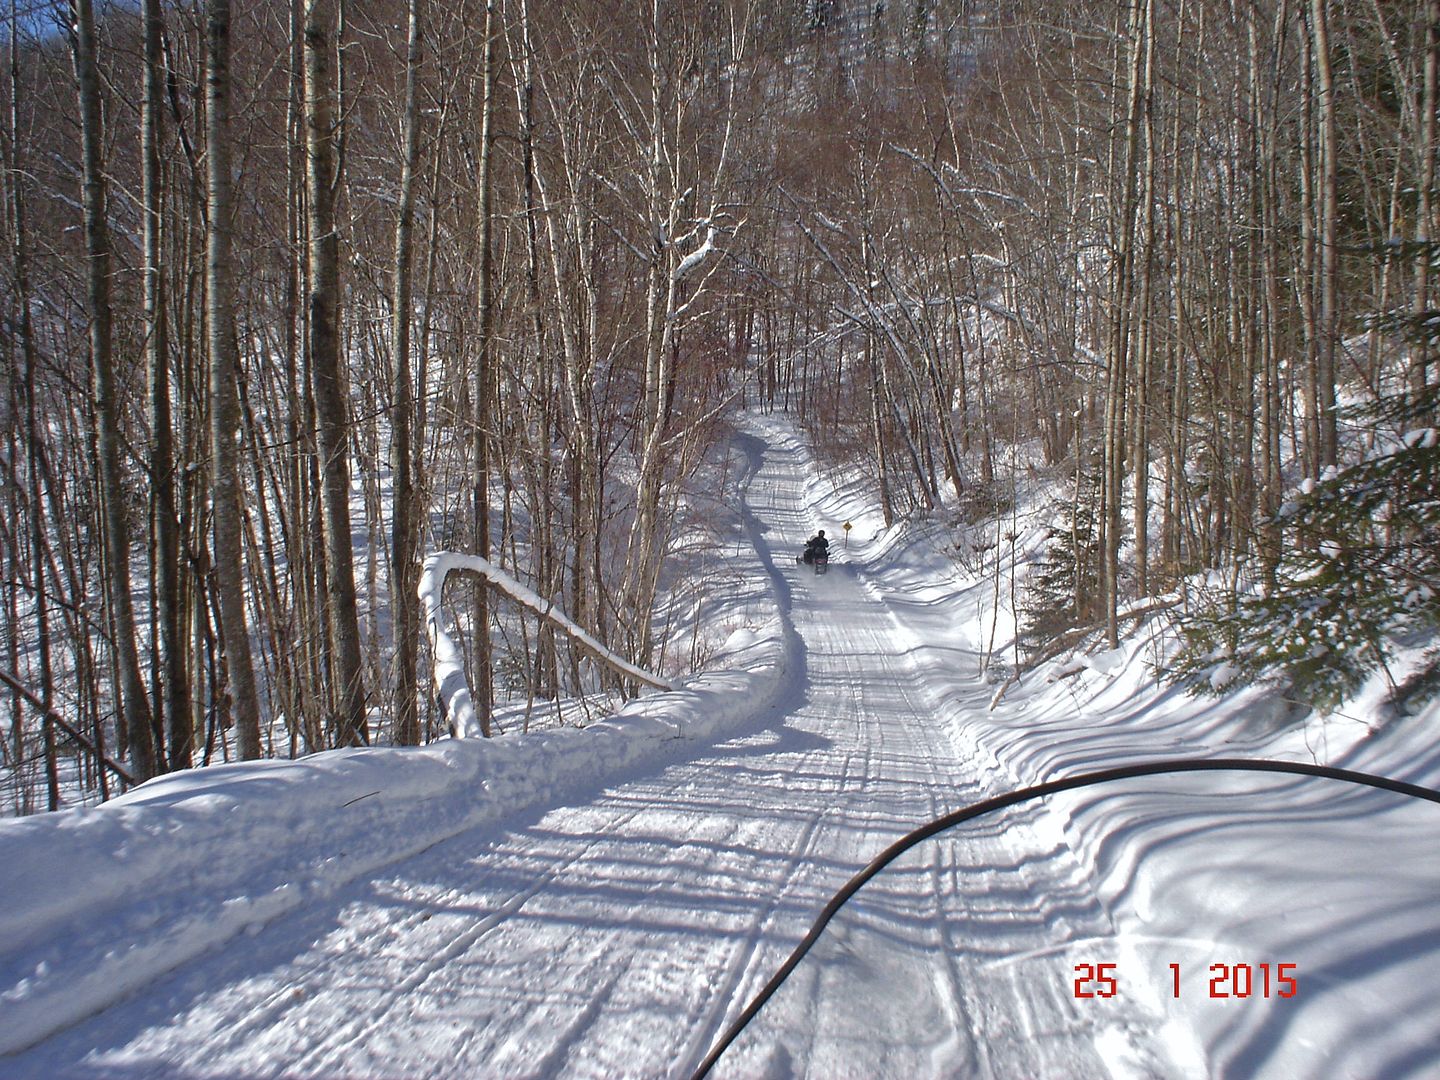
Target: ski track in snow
(618, 938)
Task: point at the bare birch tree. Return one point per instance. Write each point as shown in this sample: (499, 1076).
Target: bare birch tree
(327, 376)
(109, 446)
(404, 540)
(173, 701)
(483, 388)
(229, 554)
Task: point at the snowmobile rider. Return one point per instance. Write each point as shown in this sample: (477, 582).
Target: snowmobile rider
(816, 545)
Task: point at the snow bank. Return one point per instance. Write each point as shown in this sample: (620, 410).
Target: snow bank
(1225, 876)
(1213, 873)
(95, 903)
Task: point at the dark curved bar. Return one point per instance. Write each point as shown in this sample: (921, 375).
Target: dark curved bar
(1039, 791)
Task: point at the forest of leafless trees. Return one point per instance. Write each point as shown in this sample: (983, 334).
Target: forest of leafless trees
(295, 292)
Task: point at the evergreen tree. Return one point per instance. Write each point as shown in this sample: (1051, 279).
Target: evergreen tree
(1360, 570)
(1064, 590)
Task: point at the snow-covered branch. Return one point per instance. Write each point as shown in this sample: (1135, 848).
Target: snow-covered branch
(696, 257)
(449, 667)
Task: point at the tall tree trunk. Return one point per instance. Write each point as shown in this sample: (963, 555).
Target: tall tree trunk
(328, 378)
(873, 359)
(224, 391)
(169, 664)
(305, 552)
(579, 339)
(1424, 224)
(33, 427)
(646, 542)
(1326, 233)
(484, 375)
(134, 705)
(404, 568)
(1144, 340)
(1270, 187)
(1307, 274)
(1117, 381)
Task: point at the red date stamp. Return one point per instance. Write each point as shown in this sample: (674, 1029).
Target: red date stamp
(1226, 981)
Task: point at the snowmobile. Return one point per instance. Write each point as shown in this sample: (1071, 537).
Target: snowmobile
(815, 557)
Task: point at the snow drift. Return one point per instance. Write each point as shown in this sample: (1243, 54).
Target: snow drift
(96, 902)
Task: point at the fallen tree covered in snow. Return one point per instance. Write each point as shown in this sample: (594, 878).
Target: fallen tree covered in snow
(449, 666)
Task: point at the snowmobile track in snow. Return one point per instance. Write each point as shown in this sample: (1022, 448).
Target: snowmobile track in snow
(618, 937)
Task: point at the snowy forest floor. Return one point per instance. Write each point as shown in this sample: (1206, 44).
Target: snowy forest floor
(612, 921)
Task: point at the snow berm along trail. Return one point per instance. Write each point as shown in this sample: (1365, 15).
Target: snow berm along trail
(613, 930)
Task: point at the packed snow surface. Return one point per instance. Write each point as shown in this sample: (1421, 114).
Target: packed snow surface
(602, 902)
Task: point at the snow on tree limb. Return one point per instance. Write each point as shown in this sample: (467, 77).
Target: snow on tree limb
(449, 668)
(696, 257)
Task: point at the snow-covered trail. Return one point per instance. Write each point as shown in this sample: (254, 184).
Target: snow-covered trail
(617, 938)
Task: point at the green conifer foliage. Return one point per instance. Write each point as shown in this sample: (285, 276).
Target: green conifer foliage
(1053, 602)
(1360, 572)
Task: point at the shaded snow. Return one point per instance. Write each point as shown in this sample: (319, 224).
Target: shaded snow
(600, 903)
